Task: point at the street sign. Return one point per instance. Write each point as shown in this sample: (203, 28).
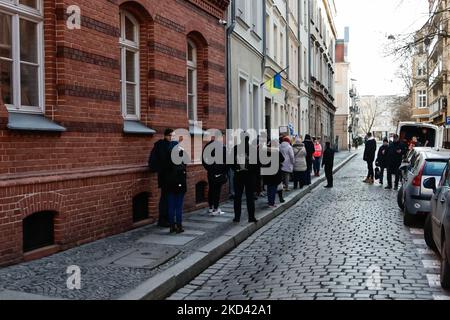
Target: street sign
(448, 121)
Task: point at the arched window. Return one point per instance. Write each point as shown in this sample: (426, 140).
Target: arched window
(129, 62)
(192, 81)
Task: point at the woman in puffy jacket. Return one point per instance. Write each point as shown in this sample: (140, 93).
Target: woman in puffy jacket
(300, 165)
(318, 153)
(287, 167)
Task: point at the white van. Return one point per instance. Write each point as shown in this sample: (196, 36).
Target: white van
(428, 135)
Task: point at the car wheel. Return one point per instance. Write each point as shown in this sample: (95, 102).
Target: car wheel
(445, 267)
(400, 202)
(428, 233)
(408, 219)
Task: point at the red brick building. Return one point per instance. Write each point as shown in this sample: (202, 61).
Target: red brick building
(81, 108)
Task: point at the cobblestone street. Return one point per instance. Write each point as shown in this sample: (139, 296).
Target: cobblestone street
(346, 243)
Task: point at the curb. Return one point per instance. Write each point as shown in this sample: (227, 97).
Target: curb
(165, 283)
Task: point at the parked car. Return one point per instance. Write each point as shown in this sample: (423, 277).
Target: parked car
(437, 224)
(416, 198)
(407, 165)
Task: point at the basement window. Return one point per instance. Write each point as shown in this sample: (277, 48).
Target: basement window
(200, 192)
(140, 207)
(38, 231)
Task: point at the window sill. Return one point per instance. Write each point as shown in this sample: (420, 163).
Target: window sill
(195, 130)
(256, 35)
(136, 127)
(32, 122)
(243, 23)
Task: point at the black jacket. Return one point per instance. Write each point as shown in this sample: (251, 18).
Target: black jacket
(396, 151)
(214, 168)
(370, 150)
(309, 146)
(275, 179)
(159, 160)
(328, 158)
(382, 157)
(251, 166)
(175, 176)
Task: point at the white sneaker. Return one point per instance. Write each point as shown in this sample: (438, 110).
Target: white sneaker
(214, 214)
(211, 210)
(220, 212)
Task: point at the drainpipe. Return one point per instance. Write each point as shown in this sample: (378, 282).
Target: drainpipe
(263, 63)
(230, 30)
(288, 48)
(309, 62)
(299, 67)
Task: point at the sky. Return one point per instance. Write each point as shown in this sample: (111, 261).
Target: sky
(371, 22)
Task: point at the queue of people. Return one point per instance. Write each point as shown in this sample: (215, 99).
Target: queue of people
(297, 160)
(389, 159)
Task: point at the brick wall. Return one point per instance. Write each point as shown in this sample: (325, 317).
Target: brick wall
(89, 174)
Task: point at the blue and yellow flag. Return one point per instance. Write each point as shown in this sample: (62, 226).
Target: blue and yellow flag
(274, 84)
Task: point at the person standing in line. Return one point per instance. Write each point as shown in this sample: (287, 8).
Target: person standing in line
(328, 163)
(369, 157)
(215, 164)
(382, 159)
(245, 173)
(317, 156)
(176, 185)
(300, 165)
(287, 167)
(309, 146)
(158, 162)
(274, 180)
(395, 153)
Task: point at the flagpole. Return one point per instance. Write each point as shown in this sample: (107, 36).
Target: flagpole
(274, 76)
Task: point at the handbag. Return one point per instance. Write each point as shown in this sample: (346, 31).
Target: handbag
(280, 187)
(220, 178)
(377, 173)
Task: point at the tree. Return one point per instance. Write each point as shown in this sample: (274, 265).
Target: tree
(369, 112)
(403, 111)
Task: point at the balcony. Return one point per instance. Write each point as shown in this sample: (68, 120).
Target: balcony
(436, 107)
(437, 73)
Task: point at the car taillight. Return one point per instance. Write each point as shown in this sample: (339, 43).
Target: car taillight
(417, 181)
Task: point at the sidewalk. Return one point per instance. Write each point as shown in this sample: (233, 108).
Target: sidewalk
(146, 263)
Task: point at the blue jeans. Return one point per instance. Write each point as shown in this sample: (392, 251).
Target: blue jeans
(175, 207)
(271, 194)
(317, 165)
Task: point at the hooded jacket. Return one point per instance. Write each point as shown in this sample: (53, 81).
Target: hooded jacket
(288, 153)
(300, 164)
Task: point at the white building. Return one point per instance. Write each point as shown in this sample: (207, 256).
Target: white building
(247, 67)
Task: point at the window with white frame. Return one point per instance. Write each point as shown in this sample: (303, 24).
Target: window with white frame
(421, 98)
(129, 62)
(421, 69)
(21, 55)
(192, 81)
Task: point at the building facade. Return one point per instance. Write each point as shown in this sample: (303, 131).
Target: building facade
(419, 89)
(343, 91)
(78, 119)
(322, 64)
(247, 64)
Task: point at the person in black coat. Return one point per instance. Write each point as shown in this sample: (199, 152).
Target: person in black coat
(369, 157)
(396, 151)
(274, 180)
(309, 146)
(158, 162)
(245, 167)
(328, 163)
(382, 158)
(214, 162)
(176, 187)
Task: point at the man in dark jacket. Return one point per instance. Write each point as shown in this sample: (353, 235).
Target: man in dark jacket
(214, 162)
(396, 151)
(328, 163)
(382, 158)
(245, 169)
(159, 161)
(309, 146)
(369, 157)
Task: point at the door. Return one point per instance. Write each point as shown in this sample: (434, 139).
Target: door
(441, 203)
